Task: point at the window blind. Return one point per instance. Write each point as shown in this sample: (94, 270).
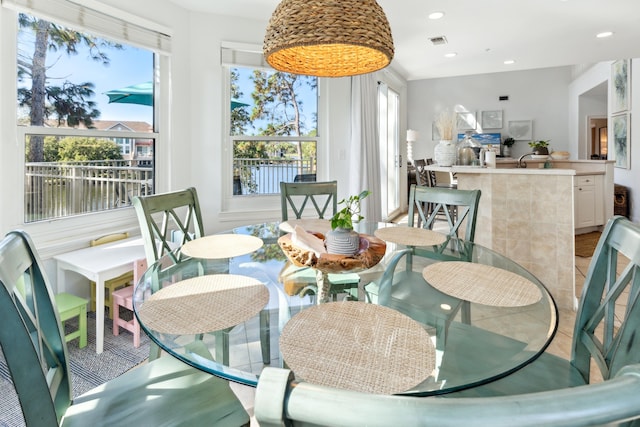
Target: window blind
(236, 54)
(112, 25)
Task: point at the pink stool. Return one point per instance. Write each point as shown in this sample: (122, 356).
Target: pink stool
(124, 298)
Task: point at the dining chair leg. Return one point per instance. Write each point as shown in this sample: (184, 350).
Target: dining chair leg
(222, 346)
(265, 337)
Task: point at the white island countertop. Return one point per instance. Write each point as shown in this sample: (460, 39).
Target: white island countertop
(534, 167)
(505, 171)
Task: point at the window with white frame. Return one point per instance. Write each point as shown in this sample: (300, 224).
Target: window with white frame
(86, 108)
(273, 129)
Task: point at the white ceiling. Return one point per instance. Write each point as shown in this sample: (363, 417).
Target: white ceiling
(485, 33)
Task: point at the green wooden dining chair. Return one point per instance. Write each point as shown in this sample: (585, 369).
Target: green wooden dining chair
(162, 392)
(180, 217)
(323, 197)
(605, 333)
(398, 289)
(280, 401)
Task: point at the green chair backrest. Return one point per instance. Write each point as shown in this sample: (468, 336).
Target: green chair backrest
(321, 194)
(31, 334)
(179, 211)
(607, 327)
(280, 400)
(445, 201)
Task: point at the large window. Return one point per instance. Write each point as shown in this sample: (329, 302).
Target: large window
(273, 129)
(85, 113)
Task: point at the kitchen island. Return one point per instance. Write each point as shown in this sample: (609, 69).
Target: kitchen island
(528, 214)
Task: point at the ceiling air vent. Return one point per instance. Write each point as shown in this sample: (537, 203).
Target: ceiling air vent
(438, 40)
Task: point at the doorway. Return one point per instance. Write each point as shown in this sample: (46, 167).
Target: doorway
(598, 142)
(390, 157)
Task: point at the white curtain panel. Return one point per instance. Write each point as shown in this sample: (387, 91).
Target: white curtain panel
(365, 152)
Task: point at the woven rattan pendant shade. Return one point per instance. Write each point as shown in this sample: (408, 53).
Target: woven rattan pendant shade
(328, 38)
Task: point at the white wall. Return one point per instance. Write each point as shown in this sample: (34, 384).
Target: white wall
(538, 95)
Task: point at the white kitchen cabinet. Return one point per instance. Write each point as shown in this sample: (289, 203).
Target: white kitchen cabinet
(589, 201)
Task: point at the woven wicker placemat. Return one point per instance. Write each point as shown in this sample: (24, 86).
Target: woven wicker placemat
(204, 304)
(482, 284)
(410, 236)
(357, 346)
(310, 224)
(219, 246)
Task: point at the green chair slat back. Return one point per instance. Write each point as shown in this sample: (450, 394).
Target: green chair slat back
(34, 347)
(178, 211)
(297, 195)
(280, 400)
(459, 207)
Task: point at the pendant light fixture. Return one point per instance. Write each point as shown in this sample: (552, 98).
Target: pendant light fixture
(328, 38)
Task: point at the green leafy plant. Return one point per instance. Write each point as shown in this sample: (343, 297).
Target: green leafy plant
(351, 212)
(539, 144)
(508, 142)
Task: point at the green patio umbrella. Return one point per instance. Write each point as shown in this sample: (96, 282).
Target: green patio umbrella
(142, 94)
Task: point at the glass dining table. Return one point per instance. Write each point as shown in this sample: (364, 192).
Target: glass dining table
(485, 341)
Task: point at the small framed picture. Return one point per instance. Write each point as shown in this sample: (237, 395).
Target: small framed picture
(521, 130)
(620, 82)
(491, 119)
(466, 120)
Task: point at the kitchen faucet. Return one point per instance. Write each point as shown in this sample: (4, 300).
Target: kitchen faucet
(522, 164)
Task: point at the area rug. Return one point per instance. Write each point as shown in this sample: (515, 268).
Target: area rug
(586, 243)
(88, 369)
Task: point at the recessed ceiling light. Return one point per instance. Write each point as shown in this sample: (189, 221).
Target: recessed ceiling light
(436, 15)
(509, 62)
(450, 54)
(604, 34)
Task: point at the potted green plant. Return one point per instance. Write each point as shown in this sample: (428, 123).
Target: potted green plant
(342, 239)
(506, 146)
(540, 147)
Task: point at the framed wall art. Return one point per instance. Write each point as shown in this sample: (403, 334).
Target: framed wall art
(484, 138)
(621, 134)
(521, 130)
(620, 83)
(466, 120)
(491, 119)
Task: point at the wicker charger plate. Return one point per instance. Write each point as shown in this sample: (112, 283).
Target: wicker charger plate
(410, 236)
(310, 224)
(482, 284)
(357, 346)
(204, 304)
(219, 246)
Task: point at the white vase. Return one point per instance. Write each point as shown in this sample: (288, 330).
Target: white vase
(506, 151)
(445, 153)
(342, 241)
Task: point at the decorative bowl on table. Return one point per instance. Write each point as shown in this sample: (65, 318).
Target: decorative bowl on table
(560, 155)
(371, 251)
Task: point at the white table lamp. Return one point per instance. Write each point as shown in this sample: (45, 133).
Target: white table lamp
(412, 136)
